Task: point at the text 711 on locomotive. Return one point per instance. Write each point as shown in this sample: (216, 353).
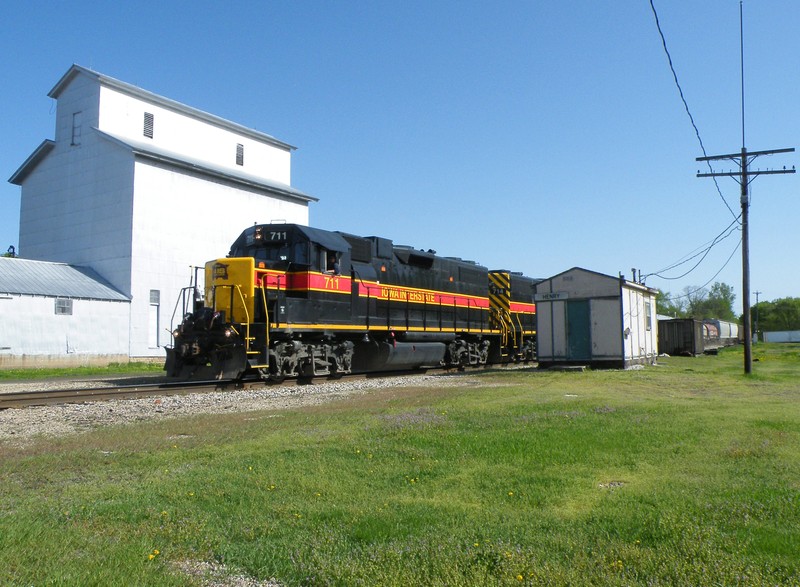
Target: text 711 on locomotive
(291, 300)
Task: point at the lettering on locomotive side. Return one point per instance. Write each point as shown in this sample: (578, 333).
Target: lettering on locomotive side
(388, 293)
(331, 282)
(419, 296)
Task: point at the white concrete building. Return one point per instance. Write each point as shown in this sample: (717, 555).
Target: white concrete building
(55, 314)
(141, 188)
(588, 318)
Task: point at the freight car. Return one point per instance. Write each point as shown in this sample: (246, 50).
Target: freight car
(720, 333)
(688, 336)
(292, 300)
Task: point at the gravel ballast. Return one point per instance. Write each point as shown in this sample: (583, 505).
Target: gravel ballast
(20, 426)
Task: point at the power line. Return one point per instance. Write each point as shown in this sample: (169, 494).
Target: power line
(704, 252)
(698, 288)
(685, 104)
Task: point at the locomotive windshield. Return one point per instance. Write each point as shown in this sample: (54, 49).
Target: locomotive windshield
(273, 248)
(289, 246)
(275, 254)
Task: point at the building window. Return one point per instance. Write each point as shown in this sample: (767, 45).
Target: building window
(76, 128)
(648, 315)
(63, 307)
(148, 125)
(154, 319)
(239, 154)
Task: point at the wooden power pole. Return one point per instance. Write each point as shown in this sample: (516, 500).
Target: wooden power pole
(744, 176)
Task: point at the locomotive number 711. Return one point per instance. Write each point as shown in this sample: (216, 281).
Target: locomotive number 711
(331, 282)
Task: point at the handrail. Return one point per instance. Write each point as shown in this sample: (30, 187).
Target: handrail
(244, 306)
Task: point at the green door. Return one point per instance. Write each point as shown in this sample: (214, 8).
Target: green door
(579, 342)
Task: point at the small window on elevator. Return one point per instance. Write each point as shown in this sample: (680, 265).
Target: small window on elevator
(63, 307)
(76, 128)
(154, 319)
(149, 119)
(239, 154)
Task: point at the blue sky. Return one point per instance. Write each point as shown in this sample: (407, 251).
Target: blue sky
(533, 136)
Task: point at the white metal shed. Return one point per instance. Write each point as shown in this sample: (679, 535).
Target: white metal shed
(54, 314)
(588, 318)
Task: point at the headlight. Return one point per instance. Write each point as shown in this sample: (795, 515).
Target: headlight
(228, 333)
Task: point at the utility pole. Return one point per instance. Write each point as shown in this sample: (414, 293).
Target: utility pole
(744, 176)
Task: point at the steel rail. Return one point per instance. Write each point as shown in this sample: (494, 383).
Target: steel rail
(25, 399)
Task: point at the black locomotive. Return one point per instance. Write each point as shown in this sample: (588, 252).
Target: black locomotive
(291, 300)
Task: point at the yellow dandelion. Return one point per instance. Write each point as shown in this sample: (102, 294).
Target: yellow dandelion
(519, 577)
(510, 493)
(156, 551)
(476, 544)
(151, 556)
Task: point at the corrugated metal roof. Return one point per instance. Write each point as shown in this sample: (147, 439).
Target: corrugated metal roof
(44, 278)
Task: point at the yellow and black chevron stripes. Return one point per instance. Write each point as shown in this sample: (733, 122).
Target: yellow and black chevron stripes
(500, 297)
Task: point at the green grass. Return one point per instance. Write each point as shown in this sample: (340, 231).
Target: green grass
(687, 473)
(132, 368)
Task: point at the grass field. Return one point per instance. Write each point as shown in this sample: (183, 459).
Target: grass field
(133, 368)
(687, 473)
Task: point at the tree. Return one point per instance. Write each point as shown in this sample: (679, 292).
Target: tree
(777, 315)
(669, 306)
(714, 303)
(695, 296)
(720, 300)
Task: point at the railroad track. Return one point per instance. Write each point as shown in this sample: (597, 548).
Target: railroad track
(24, 399)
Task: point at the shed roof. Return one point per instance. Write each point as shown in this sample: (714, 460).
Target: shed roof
(45, 278)
(621, 279)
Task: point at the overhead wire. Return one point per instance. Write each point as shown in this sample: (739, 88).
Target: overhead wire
(697, 289)
(686, 107)
(733, 226)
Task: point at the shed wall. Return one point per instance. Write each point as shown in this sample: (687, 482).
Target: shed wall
(782, 336)
(622, 328)
(32, 332)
